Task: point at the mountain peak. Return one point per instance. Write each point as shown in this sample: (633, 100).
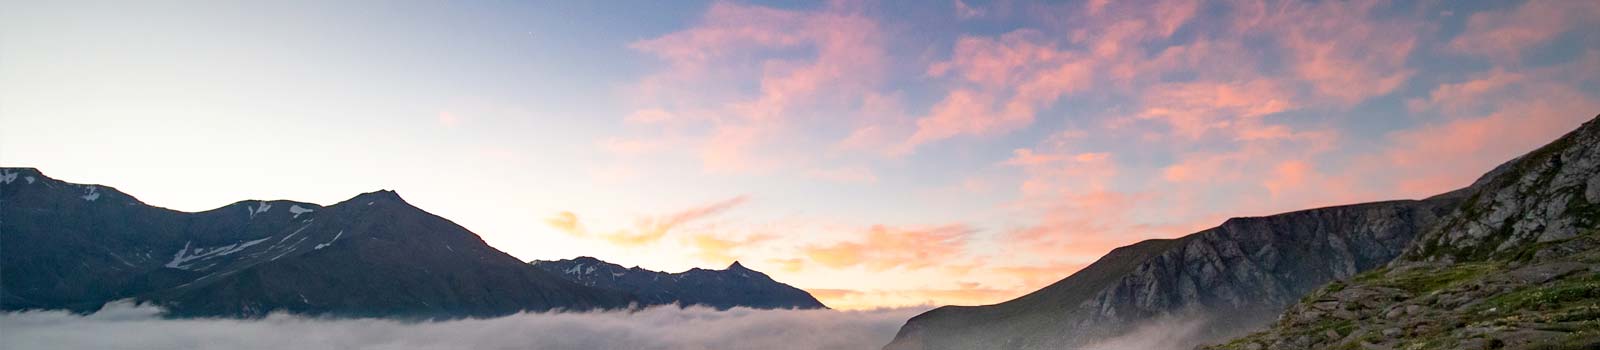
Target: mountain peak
(8, 175)
(736, 266)
(378, 196)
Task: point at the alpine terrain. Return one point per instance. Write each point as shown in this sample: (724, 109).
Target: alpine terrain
(1468, 265)
(1516, 266)
(722, 289)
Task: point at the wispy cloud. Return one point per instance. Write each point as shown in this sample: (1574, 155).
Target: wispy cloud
(647, 229)
(884, 248)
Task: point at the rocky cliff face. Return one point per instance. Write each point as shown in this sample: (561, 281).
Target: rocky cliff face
(1517, 266)
(1237, 275)
(1549, 195)
(72, 246)
(721, 289)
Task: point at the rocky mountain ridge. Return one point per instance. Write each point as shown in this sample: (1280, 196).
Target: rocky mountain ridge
(1247, 268)
(1536, 208)
(76, 247)
(736, 285)
(1516, 266)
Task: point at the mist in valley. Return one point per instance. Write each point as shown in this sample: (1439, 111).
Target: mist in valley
(125, 326)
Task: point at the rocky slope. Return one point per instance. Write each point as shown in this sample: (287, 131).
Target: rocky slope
(1236, 276)
(72, 246)
(1517, 266)
(721, 289)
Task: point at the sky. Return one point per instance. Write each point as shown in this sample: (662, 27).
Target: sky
(876, 154)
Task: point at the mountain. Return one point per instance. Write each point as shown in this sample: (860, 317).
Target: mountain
(72, 246)
(721, 289)
(1247, 269)
(1509, 260)
(1516, 266)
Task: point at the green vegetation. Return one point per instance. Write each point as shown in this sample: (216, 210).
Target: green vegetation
(1550, 297)
(1422, 281)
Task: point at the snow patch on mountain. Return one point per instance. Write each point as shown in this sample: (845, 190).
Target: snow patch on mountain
(90, 192)
(297, 210)
(183, 259)
(330, 242)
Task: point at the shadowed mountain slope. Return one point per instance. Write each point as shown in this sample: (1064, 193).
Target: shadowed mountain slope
(721, 289)
(71, 246)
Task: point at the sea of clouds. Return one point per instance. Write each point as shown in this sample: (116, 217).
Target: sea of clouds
(126, 326)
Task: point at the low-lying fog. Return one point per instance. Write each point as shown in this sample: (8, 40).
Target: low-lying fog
(125, 326)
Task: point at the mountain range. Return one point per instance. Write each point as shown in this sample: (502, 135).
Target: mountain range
(722, 289)
(76, 247)
(1511, 260)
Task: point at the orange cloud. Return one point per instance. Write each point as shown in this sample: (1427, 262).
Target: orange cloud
(646, 230)
(789, 265)
(886, 248)
(1035, 277)
(713, 249)
(567, 222)
(964, 294)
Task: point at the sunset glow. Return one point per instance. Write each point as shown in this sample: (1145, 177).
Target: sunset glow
(873, 154)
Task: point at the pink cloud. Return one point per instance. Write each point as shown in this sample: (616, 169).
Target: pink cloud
(1287, 176)
(1194, 108)
(963, 11)
(649, 116)
(1344, 50)
(1485, 120)
(449, 119)
(737, 131)
(844, 175)
(1190, 133)
(622, 146)
(1468, 95)
(1505, 35)
(1449, 155)
(1011, 77)
(962, 111)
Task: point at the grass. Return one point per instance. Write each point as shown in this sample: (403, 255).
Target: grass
(1550, 297)
(1423, 281)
